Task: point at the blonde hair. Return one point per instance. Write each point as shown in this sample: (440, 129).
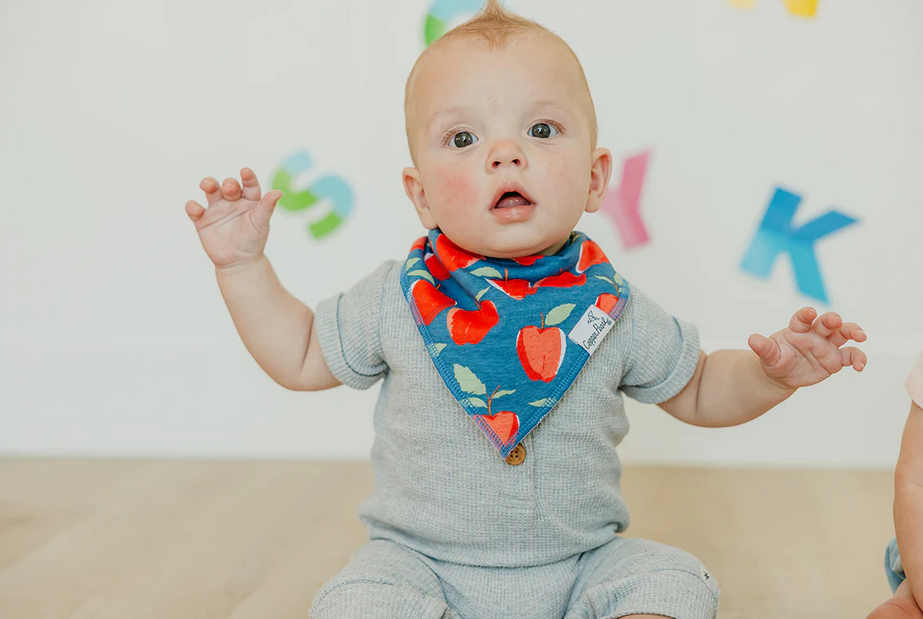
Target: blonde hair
(495, 26)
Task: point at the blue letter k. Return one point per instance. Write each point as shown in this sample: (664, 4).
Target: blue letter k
(776, 235)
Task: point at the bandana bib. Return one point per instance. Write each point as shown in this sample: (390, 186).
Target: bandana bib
(509, 336)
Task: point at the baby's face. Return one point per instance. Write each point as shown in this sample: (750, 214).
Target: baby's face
(502, 139)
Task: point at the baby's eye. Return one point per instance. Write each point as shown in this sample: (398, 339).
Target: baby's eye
(542, 130)
(462, 139)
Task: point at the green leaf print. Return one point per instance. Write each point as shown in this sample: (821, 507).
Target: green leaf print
(481, 293)
(410, 263)
(503, 393)
(478, 402)
(468, 381)
(419, 273)
(605, 279)
(487, 272)
(541, 402)
(559, 314)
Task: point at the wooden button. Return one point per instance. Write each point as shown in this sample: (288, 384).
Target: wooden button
(516, 456)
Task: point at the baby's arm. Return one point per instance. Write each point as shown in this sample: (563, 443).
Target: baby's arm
(728, 388)
(731, 387)
(908, 488)
(275, 327)
(908, 501)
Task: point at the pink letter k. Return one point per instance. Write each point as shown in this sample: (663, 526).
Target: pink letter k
(622, 203)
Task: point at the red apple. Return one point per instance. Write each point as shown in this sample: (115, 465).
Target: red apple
(430, 302)
(541, 351)
(516, 288)
(590, 254)
(607, 302)
(564, 280)
(436, 268)
(470, 326)
(420, 243)
(504, 424)
(528, 261)
(453, 256)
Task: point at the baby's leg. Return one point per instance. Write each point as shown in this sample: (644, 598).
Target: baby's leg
(901, 606)
(382, 581)
(638, 578)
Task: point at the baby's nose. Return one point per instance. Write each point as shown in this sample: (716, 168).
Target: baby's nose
(506, 160)
(506, 154)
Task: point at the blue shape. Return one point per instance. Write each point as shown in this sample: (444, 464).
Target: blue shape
(337, 191)
(298, 163)
(776, 234)
(894, 569)
(447, 10)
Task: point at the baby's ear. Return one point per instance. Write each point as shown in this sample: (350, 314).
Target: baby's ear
(413, 187)
(600, 171)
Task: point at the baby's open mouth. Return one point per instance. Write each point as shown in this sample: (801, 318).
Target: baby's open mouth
(510, 199)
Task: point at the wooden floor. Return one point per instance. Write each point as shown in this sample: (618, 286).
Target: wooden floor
(255, 540)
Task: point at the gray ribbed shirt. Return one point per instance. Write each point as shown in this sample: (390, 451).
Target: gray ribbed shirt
(441, 488)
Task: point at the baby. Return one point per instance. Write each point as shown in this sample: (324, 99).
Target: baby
(500, 318)
(905, 568)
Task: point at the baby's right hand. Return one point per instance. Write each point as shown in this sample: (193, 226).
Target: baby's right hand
(235, 226)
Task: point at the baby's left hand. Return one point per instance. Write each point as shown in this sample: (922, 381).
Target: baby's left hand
(808, 350)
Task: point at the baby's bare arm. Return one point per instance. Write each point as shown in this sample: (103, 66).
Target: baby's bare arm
(728, 388)
(908, 500)
(276, 328)
(731, 387)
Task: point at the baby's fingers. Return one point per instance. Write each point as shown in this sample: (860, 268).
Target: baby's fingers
(194, 210)
(211, 188)
(802, 320)
(230, 189)
(854, 357)
(767, 349)
(849, 331)
(269, 201)
(827, 324)
(252, 189)
(267, 205)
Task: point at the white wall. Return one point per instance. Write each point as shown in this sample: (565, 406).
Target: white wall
(114, 340)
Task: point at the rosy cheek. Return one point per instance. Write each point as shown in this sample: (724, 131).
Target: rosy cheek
(563, 174)
(556, 173)
(455, 189)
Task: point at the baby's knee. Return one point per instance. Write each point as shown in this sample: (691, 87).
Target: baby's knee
(897, 608)
(653, 579)
(382, 581)
(660, 557)
(376, 600)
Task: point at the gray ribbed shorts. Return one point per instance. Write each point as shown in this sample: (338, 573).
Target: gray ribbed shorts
(626, 576)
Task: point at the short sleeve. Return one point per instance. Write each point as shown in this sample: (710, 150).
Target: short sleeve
(348, 330)
(663, 354)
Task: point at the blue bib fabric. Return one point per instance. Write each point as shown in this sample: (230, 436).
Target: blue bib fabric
(505, 328)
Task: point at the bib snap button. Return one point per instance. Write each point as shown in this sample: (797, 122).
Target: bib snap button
(516, 456)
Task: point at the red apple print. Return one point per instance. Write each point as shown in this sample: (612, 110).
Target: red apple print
(505, 424)
(528, 261)
(430, 302)
(607, 302)
(470, 327)
(420, 243)
(564, 280)
(436, 268)
(541, 352)
(516, 288)
(590, 254)
(453, 256)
